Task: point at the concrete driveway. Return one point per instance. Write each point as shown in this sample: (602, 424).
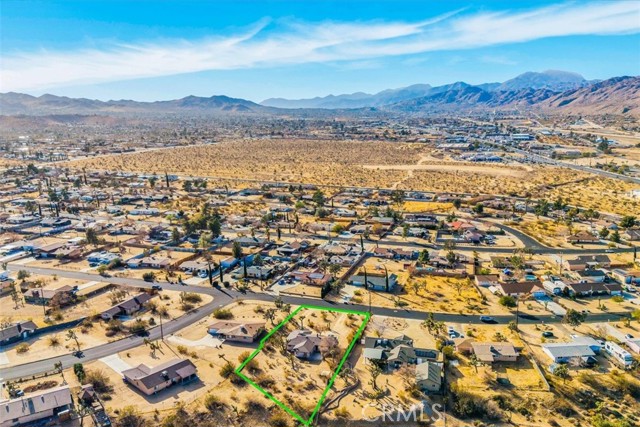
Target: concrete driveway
(116, 363)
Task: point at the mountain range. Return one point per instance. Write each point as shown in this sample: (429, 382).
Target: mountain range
(552, 80)
(550, 91)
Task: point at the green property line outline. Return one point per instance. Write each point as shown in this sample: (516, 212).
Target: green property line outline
(263, 341)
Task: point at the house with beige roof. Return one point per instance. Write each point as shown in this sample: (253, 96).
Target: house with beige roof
(246, 332)
(305, 344)
(490, 352)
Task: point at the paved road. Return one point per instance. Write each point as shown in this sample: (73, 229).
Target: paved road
(223, 297)
(555, 162)
(108, 349)
(537, 247)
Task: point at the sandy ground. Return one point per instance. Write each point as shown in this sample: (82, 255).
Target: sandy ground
(493, 170)
(306, 379)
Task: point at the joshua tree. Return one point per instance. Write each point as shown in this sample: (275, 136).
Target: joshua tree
(58, 367)
(474, 361)
(374, 371)
(270, 315)
(71, 335)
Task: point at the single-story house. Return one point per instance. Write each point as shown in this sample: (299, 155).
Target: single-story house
(54, 404)
(429, 376)
(516, 289)
(152, 380)
(249, 241)
(237, 331)
(17, 331)
(149, 262)
(632, 234)
(128, 307)
(305, 344)
(259, 272)
(583, 237)
(193, 266)
(584, 262)
(489, 352)
(564, 352)
(588, 289)
(103, 257)
(591, 276)
(486, 280)
(376, 281)
(64, 295)
(395, 352)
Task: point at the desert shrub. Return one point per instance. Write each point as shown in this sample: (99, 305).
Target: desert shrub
(265, 381)
(213, 402)
(54, 341)
(253, 364)
(149, 276)
(222, 313)
(625, 384)
(182, 349)
(507, 301)
(22, 348)
(101, 382)
(130, 417)
(468, 405)
(448, 351)
(191, 297)
(138, 327)
(227, 370)
(278, 420)
(342, 412)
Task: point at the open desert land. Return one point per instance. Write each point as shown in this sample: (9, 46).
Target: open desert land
(428, 293)
(375, 165)
(551, 233)
(338, 163)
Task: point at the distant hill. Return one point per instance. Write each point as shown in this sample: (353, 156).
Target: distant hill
(538, 91)
(551, 80)
(353, 100)
(17, 103)
(619, 95)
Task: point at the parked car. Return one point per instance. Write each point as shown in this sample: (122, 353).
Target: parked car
(156, 287)
(629, 336)
(547, 334)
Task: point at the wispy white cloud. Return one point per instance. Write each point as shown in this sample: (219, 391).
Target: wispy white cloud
(286, 42)
(497, 59)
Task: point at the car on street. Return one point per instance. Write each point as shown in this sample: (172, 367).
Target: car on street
(487, 319)
(156, 287)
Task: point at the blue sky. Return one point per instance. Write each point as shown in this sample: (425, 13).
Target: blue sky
(153, 50)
